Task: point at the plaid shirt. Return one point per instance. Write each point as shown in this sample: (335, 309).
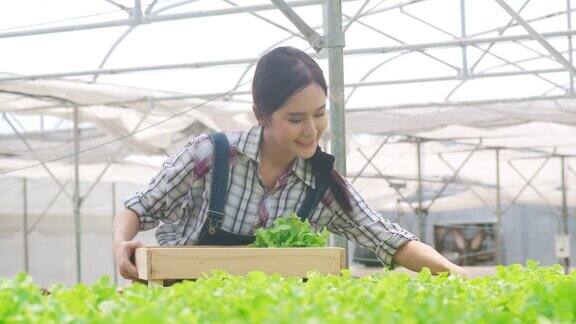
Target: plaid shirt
(179, 197)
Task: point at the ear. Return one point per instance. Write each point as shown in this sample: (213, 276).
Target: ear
(259, 116)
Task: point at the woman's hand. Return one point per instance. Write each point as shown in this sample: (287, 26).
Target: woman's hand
(458, 270)
(124, 256)
(415, 255)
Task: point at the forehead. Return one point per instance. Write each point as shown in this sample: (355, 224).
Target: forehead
(307, 100)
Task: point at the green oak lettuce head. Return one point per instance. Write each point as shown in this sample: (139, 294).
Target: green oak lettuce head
(290, 231)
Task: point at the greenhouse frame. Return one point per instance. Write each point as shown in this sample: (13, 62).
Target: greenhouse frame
(448, 114)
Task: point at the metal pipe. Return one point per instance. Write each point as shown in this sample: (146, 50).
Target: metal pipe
(487, 51)
(214, 95)
(47, 208)
(334, 43)
(454, 175)
(25, 222)
(370, 159)
(387, 179)
(454, 77)
(528, 182)
(499, 242)
(468, 185)
(332, 23)
(569, 20)
(537, 36)
(309, 33)
(566, 261)
(361, 51)
(455, 103)
(115, 272)
(464, 72)
(538, 192)
(500, 33)
(422, 225)
(456, 42)
(119, 150)
(76, 201)
(38, 157)
(154, 18)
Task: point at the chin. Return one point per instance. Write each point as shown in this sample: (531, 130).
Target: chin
(305, 155)
(304, 152)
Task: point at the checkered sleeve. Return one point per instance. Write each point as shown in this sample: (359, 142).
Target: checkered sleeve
(367, 228)
(159, 200)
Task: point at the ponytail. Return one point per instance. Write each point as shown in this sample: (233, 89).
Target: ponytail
(323, 163)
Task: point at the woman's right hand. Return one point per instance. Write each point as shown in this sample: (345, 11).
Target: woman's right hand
(124, 255)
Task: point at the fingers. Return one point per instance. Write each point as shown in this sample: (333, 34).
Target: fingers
(136, 244)
(131, 270)
(125, 255)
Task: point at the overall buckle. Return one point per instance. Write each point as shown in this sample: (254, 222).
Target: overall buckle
(212, 225)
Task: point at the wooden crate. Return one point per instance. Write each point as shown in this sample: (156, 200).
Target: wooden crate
(156, 263)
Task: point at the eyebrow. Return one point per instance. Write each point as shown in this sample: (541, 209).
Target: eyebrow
(298, 114)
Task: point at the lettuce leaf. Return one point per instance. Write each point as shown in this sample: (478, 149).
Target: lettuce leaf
(290, 231)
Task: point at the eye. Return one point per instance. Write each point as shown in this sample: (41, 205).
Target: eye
(320, 115)
(295, 121)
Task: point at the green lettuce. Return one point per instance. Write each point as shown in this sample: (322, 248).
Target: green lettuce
(515, 294)
(290, 231)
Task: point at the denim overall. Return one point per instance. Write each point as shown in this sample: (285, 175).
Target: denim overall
(212, 233)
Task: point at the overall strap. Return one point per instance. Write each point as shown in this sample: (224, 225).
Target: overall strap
(314, 196)
(219, 187)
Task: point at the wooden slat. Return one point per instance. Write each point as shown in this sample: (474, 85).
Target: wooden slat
(154, 283)
(192, 262)
(142, 263)
(343, 259)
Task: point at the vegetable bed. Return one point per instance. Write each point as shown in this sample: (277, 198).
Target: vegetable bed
(516, 294)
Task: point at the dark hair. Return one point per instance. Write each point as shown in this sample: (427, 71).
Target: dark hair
(281, 73)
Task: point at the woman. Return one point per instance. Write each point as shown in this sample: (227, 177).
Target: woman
(220, 188)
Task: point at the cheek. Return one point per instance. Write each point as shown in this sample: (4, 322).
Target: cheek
(321, 125)
(287, 132)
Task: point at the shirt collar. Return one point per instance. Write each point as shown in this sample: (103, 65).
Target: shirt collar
(249, 142)
(249, 145)
(303, 170)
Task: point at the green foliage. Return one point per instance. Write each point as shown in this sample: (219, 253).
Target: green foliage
(516, 294)
(290, 231)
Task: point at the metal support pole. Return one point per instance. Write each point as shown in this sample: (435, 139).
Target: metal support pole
(566, 260)
(569, 19)
(422, 226)
(25, 221)
(115, 272)
(76, 197)
(499, 242)
(464, 72)
(333, 30)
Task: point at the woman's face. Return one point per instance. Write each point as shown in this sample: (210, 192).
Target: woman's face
(296, 127)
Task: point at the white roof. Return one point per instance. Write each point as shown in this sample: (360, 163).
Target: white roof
(417, 91)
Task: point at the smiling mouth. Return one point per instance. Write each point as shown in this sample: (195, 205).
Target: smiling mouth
(306, 144)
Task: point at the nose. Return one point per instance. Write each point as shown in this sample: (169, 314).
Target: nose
(310, 131)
